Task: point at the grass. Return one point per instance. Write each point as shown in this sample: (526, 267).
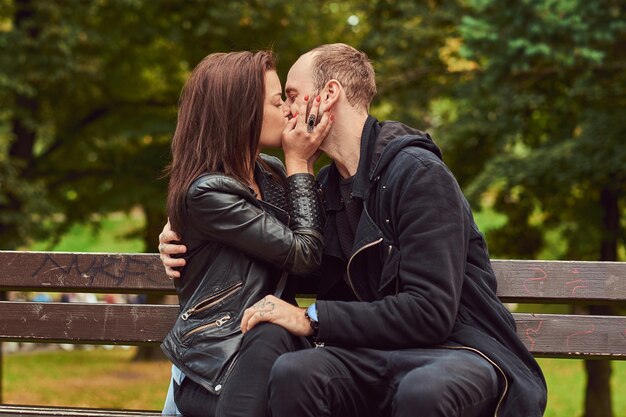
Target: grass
(85, 378)
(108, 379)
(566, 387)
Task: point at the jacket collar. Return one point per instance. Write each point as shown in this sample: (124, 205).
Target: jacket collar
(362, 178)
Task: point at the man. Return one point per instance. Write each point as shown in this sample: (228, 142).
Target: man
(406, 306)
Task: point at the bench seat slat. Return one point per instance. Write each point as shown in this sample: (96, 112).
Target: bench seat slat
(131, 324)
(83, 272)
(518, 280)
(563, 335)
(555, 335)
(560, 281)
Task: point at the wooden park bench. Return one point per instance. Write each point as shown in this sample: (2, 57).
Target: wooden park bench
(537, 282)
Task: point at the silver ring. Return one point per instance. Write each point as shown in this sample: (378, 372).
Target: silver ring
(310, 123)
(161, 247)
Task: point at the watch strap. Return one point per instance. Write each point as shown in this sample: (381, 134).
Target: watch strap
(313, 322)
(312, 312)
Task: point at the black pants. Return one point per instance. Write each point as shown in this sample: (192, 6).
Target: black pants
(245, 392)
(331, 381)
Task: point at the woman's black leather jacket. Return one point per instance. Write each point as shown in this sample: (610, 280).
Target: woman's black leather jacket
(237, 249)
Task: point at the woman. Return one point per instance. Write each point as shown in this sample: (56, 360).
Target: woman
(247, 223)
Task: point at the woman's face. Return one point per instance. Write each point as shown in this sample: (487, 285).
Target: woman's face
(274, 113)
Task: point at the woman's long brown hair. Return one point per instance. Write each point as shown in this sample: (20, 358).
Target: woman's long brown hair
(219, 123)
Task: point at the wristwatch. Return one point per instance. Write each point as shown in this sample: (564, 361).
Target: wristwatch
(311, 314)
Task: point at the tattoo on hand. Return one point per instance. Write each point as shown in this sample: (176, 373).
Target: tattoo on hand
(264, 307)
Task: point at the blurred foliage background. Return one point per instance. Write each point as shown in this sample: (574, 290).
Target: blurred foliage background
(526, 98)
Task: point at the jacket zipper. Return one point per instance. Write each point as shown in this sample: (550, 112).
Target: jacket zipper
(362, 248)
(506, 381)
(211, 301)
(216, 323)
(397, 279)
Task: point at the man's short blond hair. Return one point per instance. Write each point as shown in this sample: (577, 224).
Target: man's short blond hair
(351, 67)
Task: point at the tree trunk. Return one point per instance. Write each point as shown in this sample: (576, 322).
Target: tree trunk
(150, 353)
(24, 135)
(155, 219)
(609, 199)
(598, 390)
(24, 120)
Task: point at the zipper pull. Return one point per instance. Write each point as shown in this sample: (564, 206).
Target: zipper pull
(187, 313)
(222, 321)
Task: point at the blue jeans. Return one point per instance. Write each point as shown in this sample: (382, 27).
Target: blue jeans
(169, 408)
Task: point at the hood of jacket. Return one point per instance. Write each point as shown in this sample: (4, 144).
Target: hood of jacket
(380, 143)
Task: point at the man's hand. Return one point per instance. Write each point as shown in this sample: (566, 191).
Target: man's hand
(274, 310)
(167, 249)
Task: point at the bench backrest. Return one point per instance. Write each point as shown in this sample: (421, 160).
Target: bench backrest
(537, 282)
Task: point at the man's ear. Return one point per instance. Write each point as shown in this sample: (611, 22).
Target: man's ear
(331, 93)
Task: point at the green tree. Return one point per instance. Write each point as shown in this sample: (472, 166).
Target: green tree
(410, 44)
(83, 107)
(548, 100)
(89, 93)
